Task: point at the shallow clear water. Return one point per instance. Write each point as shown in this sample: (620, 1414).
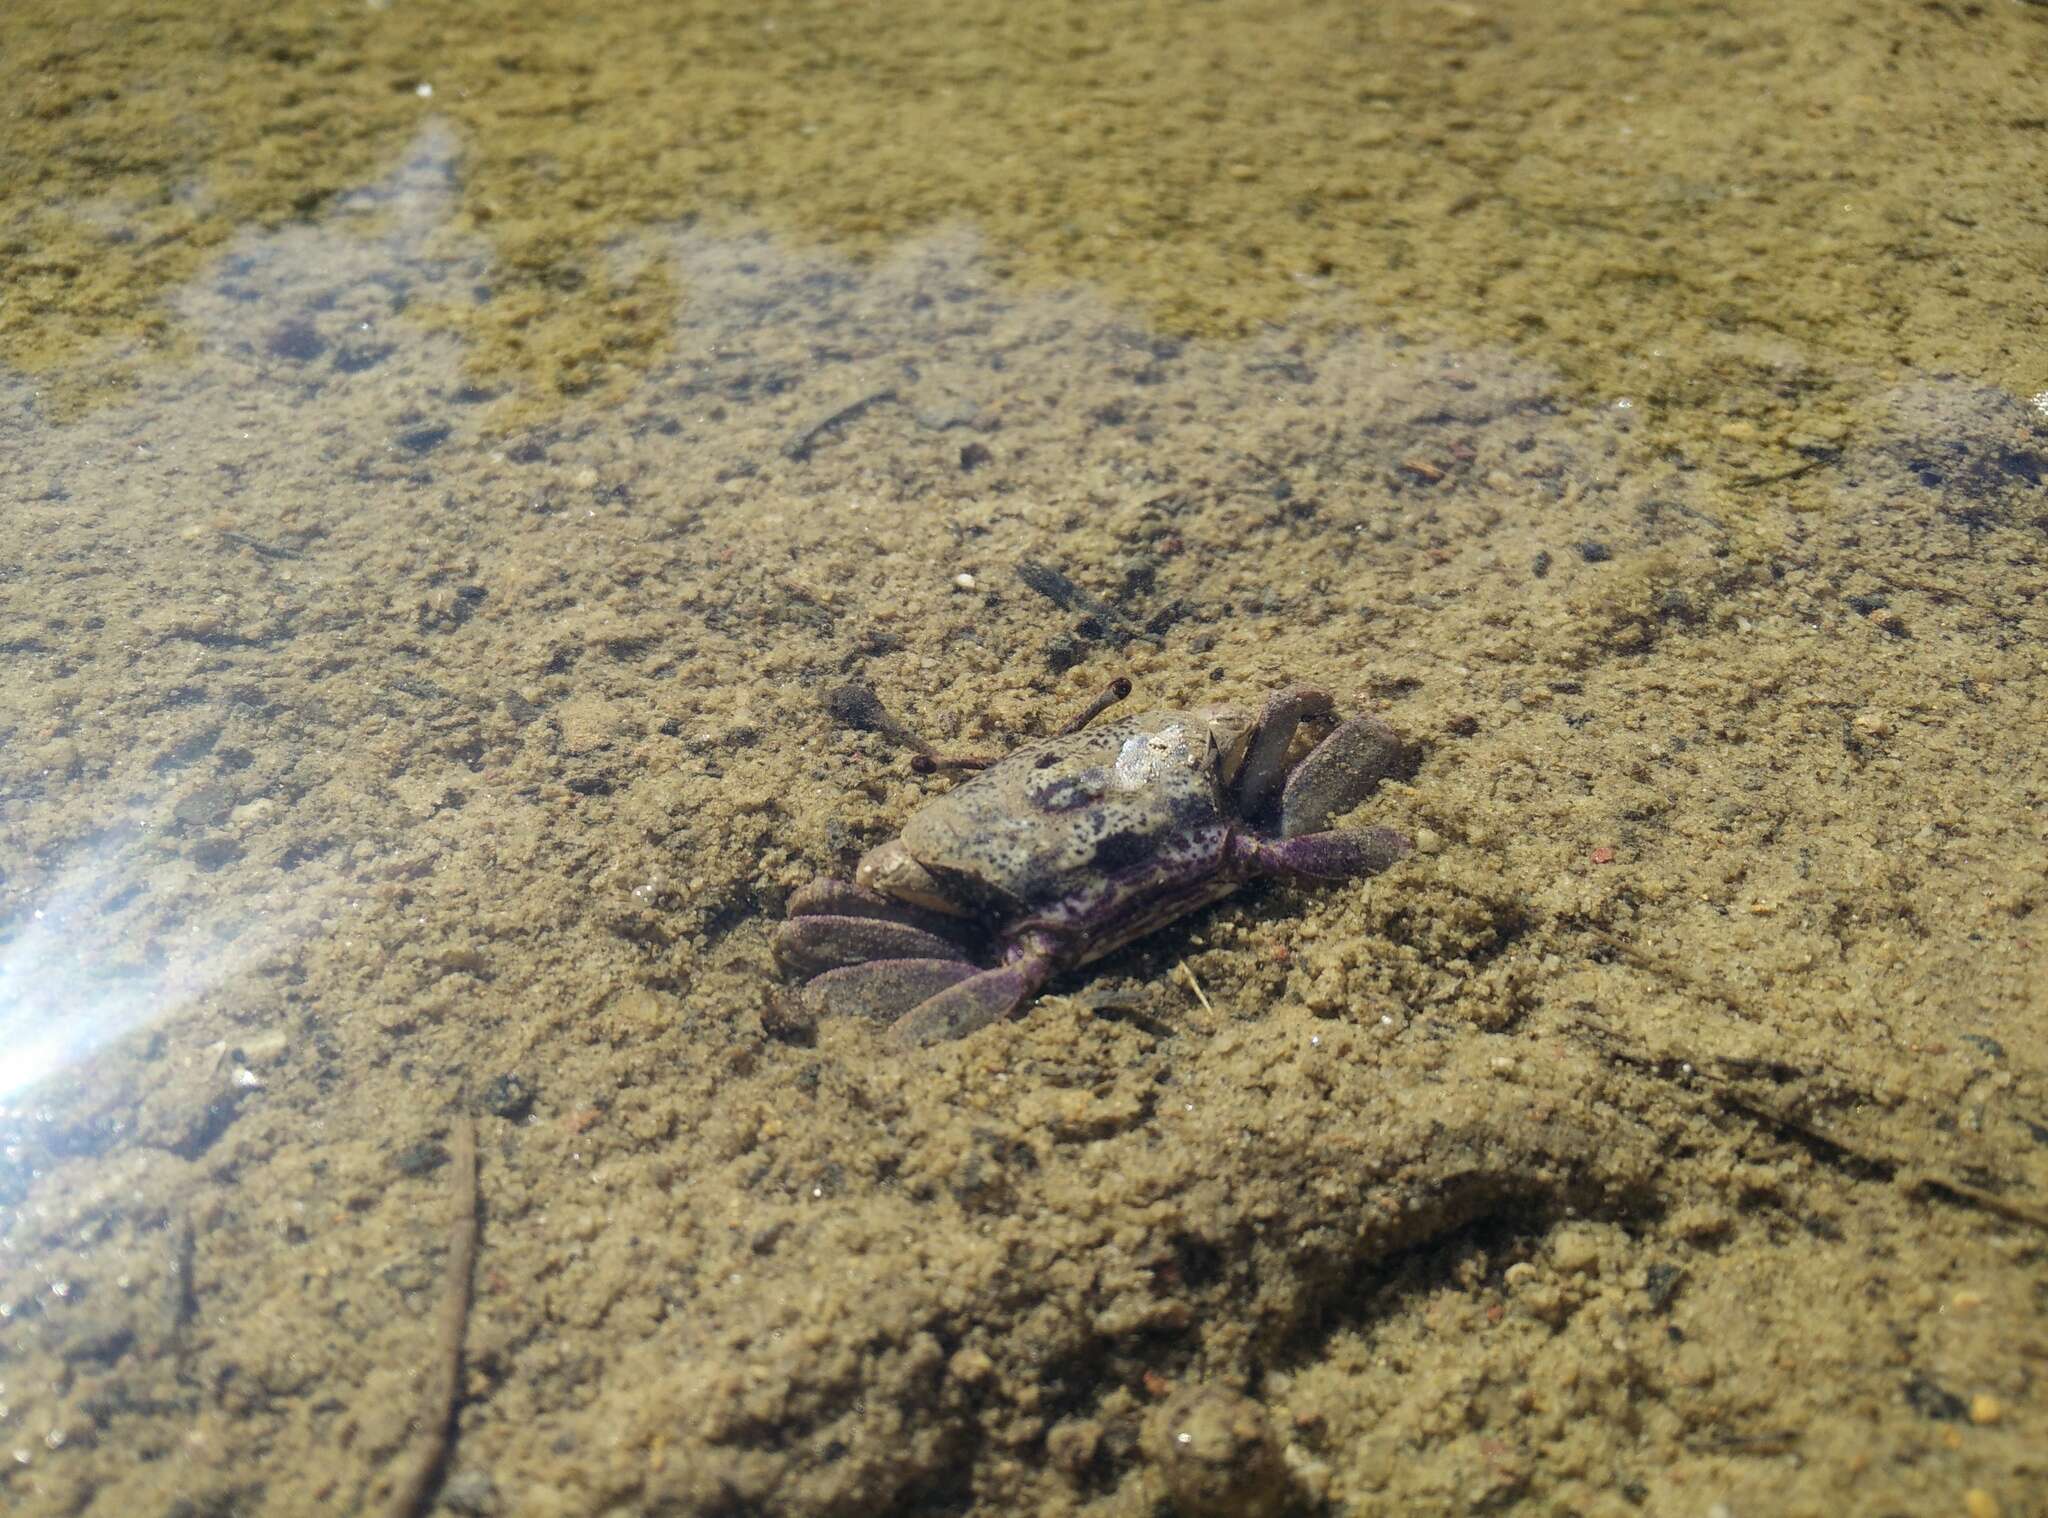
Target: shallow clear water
(471, 481)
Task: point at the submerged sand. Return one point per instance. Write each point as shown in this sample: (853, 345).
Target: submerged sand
(403, 732)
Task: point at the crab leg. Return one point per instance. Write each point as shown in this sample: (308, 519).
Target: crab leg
(826, 897)
(1339, 854)
(809, 945)
(883, 988)
(974, 1002)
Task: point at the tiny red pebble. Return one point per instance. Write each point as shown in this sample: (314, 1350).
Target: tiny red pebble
(1157, 1385)
(1603, 855)
(1495, 1313)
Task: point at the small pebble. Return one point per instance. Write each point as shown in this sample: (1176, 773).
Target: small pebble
(471, 1493)
(1985, 1408)
(1427, 840)
(510, 1097)
(1576, 1251)
(1214, 1449)
(787, 1016)
(855, 704)
(971, 1366)
(420, 1158)
(262, 1048)
(1980, 1503)
(964, 580)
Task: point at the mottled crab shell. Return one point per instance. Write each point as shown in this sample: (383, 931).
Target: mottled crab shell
(1101, 834)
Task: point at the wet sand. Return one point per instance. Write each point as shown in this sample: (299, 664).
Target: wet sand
(435, 536)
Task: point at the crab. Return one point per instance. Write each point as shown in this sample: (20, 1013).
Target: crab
(1073, 846)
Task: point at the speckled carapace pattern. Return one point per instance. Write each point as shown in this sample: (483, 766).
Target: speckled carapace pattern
(1062, 819)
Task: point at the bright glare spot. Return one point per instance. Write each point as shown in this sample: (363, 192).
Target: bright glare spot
(56, 1004)
(23, 1064)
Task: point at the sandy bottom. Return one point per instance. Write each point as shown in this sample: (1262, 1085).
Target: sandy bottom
(1669, 1134)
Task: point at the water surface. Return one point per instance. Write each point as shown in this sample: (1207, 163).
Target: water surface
(456, 464)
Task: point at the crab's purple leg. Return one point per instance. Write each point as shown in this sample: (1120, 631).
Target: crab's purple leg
(1265, 762)
(883, 988)
(826, 897)
(810, 945)
(1340, 854)
(1338, 773)
(972, 1003)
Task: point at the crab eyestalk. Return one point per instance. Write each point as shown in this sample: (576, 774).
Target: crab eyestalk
(928, 763)
(1112, 693)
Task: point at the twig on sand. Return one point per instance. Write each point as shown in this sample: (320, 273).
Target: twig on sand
(1057, 588)
(415, 1489)
(800, 448)
(1196, 987)
(1734, 1084)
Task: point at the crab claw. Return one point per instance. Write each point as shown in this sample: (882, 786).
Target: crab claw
(1338, 773)
(890, 869)
(1265, 764)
